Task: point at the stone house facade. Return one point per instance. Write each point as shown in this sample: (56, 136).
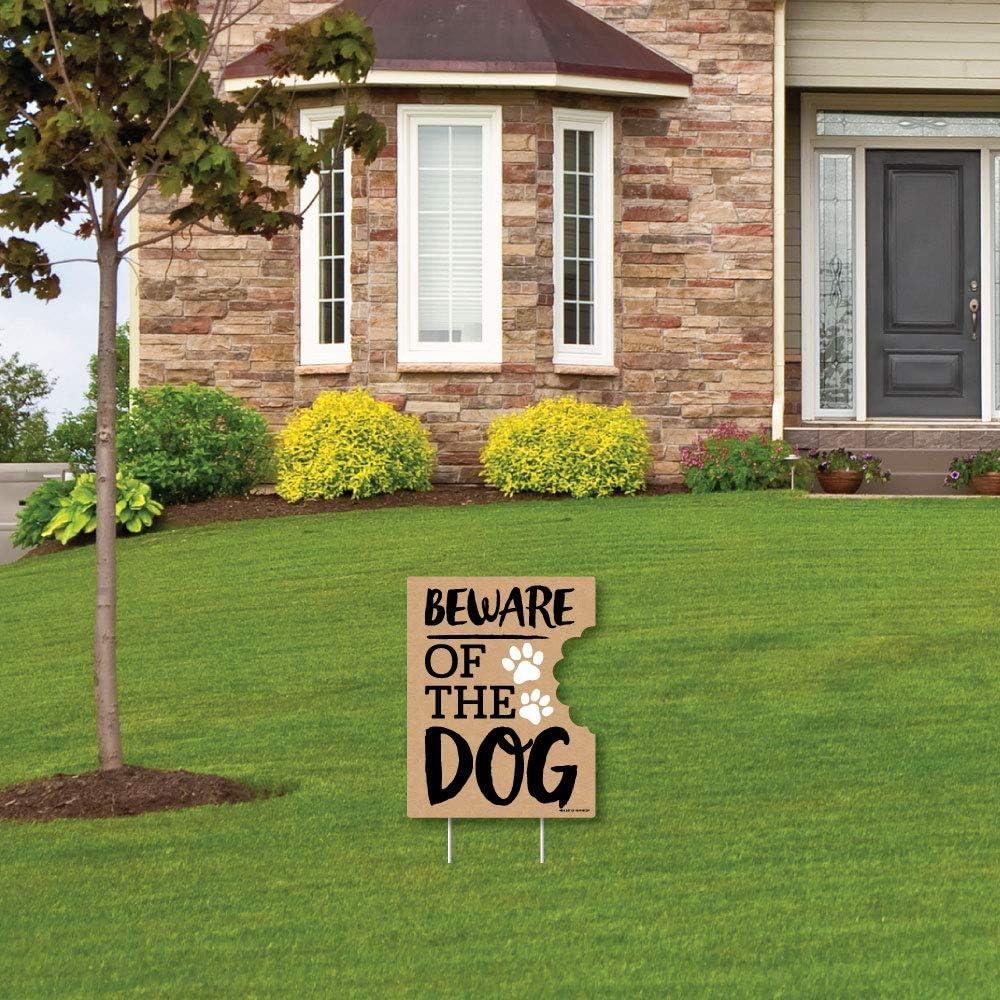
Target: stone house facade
(691, 246)
(784, 213)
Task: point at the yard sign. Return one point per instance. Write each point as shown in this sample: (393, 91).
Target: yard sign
(486, 734)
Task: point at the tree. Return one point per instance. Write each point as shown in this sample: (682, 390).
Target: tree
(73, 439)
(105, 101)
(24, 433)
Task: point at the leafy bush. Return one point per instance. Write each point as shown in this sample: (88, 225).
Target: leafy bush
(731, 458)
(74, 438)
(39, 508)
(348, 443)
(193, 442)
(77, 513)
(565, 446)
(979, 463)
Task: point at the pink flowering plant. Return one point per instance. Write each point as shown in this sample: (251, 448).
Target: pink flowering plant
(731, 458)
(961, 470)
(843, 460)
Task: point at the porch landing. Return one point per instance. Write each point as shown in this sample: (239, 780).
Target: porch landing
(917, 453)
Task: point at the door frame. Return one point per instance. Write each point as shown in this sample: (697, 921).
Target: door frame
(811, 145)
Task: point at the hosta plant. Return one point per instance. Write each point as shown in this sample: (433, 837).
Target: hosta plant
(77, 514)
(37, 511)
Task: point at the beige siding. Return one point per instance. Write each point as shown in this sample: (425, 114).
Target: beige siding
(793, 225)
(893, 44)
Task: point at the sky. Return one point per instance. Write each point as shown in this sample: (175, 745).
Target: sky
(61, 335)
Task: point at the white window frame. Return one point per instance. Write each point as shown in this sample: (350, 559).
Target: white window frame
(312, 122)
(811, 145)
(601, 125)
(410, 349)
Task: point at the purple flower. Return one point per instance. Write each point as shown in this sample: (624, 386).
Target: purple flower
(954, 475)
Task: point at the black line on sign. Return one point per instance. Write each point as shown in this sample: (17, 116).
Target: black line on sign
(478, 635)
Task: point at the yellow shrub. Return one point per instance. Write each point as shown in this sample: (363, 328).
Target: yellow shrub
(564, 446)
(349, 443)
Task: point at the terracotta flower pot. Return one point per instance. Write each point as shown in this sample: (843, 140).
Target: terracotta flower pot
(988, 484)
(841, 481)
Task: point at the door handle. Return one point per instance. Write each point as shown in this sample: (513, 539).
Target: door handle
(974, 309)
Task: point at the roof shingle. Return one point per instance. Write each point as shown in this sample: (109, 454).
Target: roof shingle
(497, 36)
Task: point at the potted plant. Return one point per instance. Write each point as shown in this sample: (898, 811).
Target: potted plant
(981, 471)
(843, 471)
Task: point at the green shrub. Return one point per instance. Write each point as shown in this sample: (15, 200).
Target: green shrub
(348, 443)
(565, 446)
(193, 442)
(38, 509)
(732, 458)
(77, 513)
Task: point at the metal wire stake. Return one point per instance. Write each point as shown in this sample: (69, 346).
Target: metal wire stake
(449, 840)
(541, 841)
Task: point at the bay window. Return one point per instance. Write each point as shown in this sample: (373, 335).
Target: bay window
(449, 234)
(325, 308)
(583, 239)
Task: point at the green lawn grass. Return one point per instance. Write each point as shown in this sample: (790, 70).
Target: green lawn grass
(796, 705)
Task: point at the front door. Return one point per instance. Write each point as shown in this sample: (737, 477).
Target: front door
(924, 285)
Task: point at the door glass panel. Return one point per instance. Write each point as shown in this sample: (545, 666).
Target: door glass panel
(903, 124)
(836, 281)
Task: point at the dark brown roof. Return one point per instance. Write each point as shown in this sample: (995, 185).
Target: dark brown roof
(497, 36)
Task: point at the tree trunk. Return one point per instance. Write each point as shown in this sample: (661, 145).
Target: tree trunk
(109, 735)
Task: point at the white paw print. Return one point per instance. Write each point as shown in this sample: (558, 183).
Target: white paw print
(524, 663)
(535, 707)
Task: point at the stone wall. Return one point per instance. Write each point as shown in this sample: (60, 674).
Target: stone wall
(693, 259)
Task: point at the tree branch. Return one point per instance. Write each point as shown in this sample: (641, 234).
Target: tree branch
(216, 27)
(60, 61)
(71, 94)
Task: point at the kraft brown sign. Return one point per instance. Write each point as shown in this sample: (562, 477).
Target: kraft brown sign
(487, 735)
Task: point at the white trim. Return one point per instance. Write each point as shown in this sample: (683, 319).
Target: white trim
(601, 125)
(490, 349)
(809, 336)
(987, 316)
(860, 286)
(778, 100)
(134, 300)
(572, 82)
(811, 145)
(312, 121)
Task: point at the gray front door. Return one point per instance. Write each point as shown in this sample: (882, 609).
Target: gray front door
(923, 235)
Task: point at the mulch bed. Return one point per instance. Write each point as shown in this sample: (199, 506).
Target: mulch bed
(126, 791)
(259, 506)
(256, 506)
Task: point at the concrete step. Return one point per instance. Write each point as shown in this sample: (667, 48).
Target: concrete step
(962, 437)
(915, 471)
(912, 484)
(902, 460)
